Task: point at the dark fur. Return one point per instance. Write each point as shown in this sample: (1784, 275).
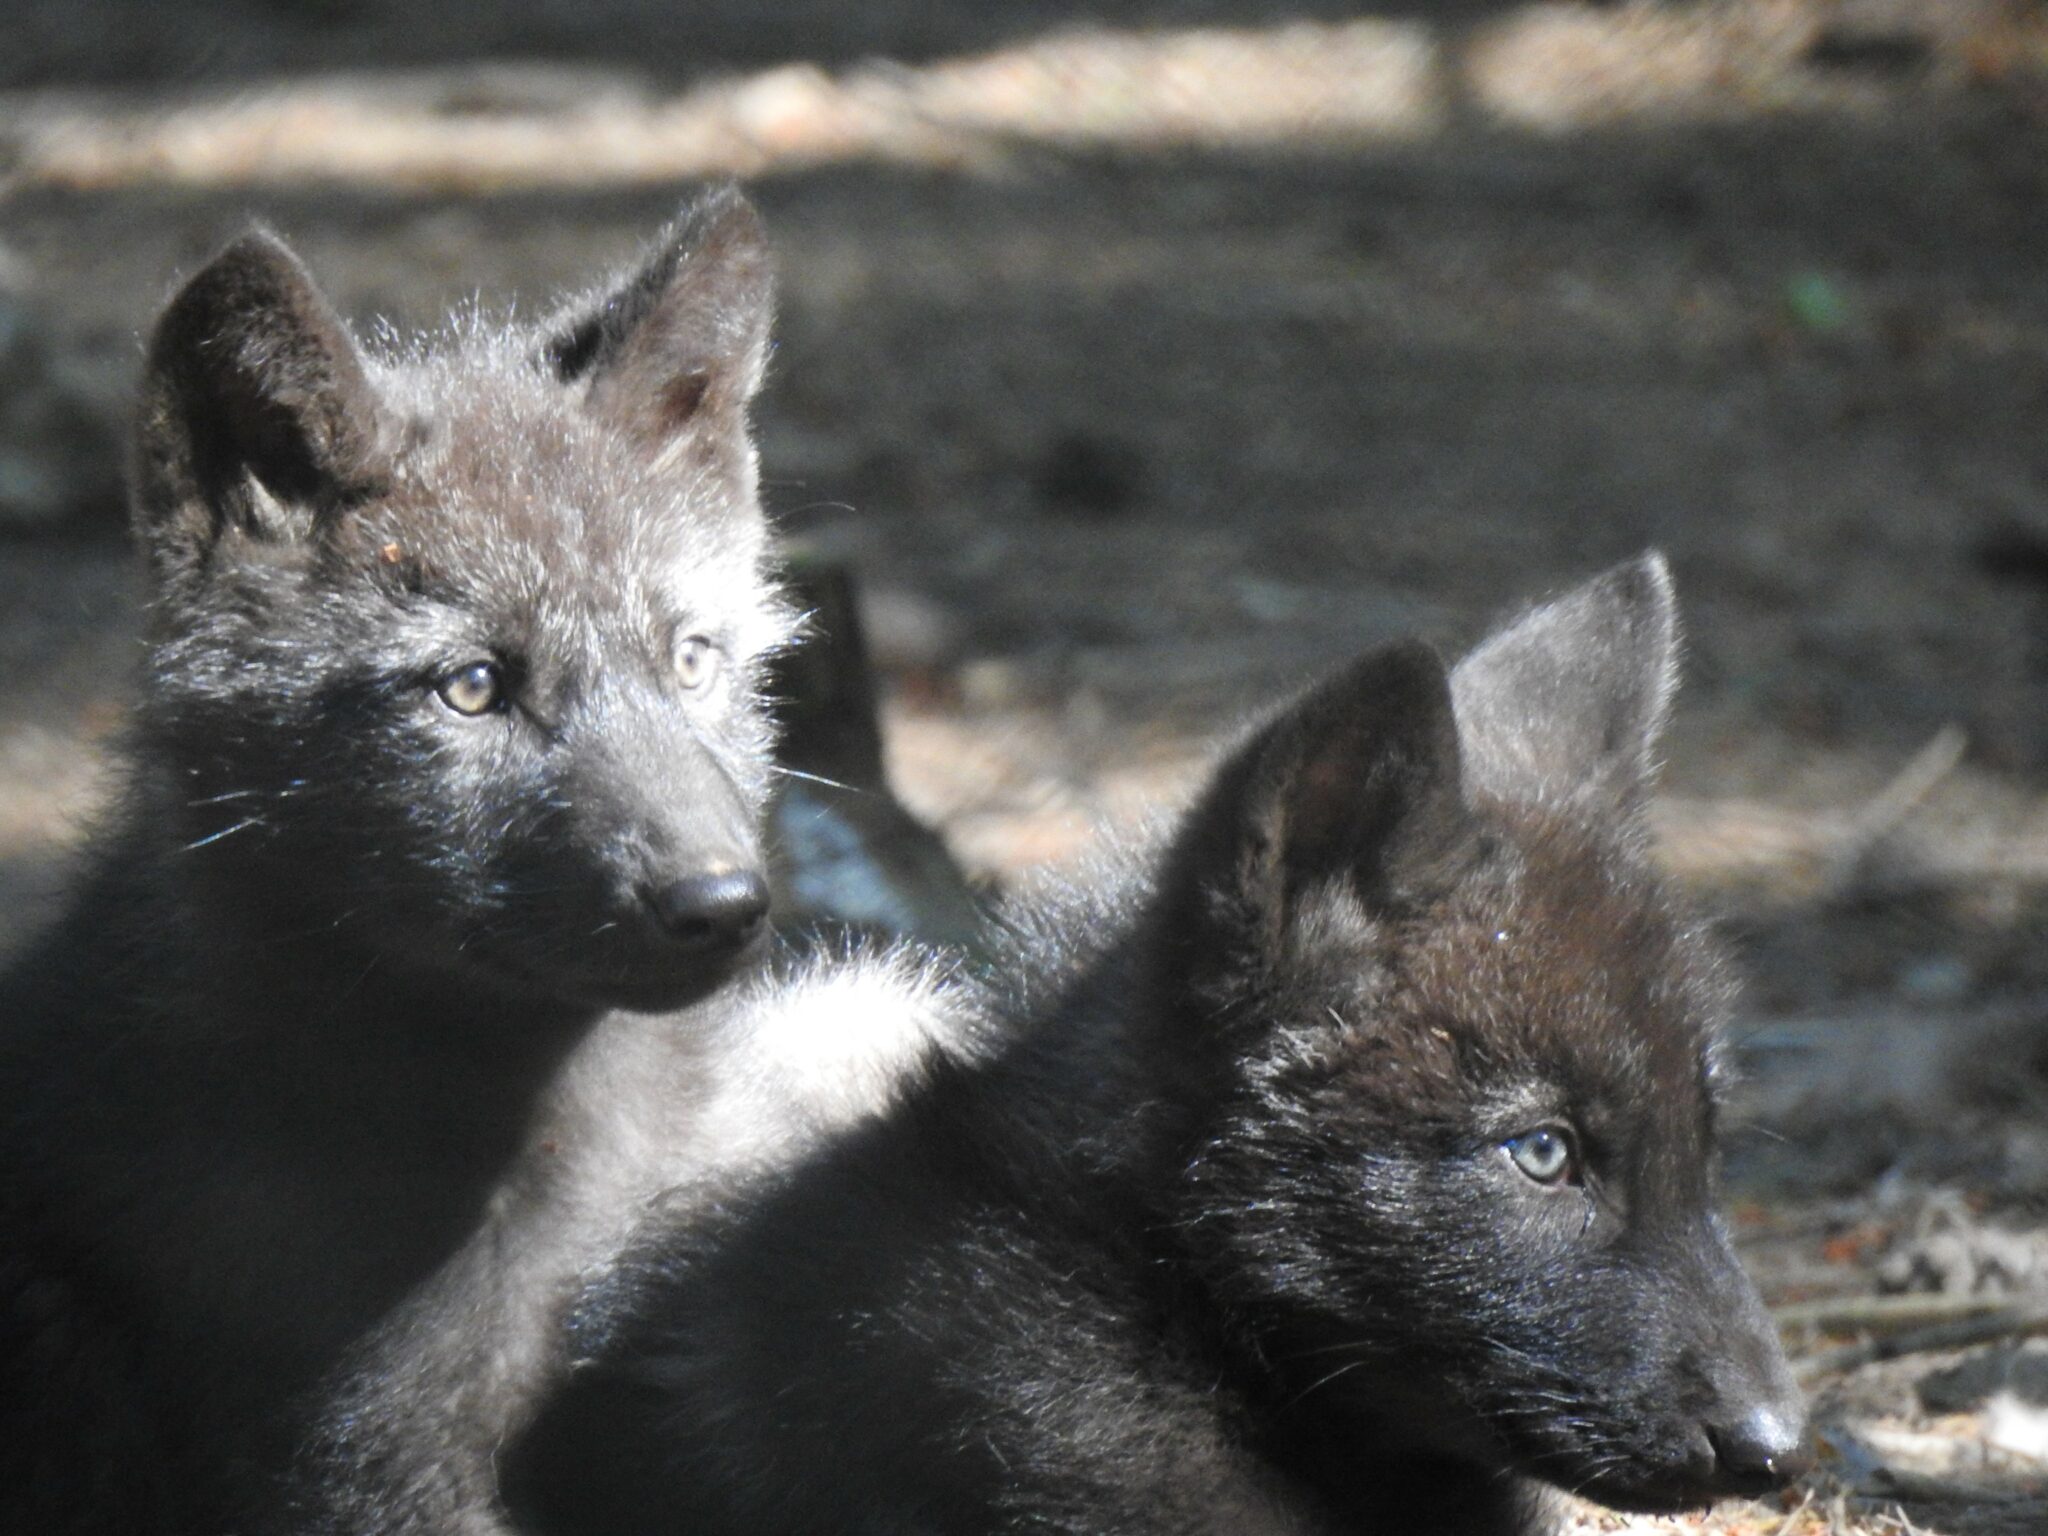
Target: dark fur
(340, 980)
(1227, 1236)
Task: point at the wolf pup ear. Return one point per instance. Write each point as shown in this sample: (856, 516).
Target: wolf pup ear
(257, 415)
(684, 339)
(1565, 705)
(1358, 781)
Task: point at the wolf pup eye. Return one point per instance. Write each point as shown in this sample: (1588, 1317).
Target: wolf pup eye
(696, 661)
(476, 689)
(1545, 1154)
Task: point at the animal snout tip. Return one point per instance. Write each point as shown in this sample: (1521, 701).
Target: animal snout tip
(719, 906)
(1764, 1449)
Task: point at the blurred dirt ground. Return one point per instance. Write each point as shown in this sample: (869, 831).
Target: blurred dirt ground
(1143, 359)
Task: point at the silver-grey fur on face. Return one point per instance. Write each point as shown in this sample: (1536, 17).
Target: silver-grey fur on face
(399, 971)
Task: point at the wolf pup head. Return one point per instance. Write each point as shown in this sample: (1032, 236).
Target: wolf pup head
(455, 644)
(1462, 1194)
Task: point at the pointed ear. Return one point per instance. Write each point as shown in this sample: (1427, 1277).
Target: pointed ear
(256, 413)
(685, 338)
(1359, 781)
(1566, 704)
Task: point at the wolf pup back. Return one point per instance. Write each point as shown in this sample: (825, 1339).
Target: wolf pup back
(1360, 1179)
(447, 747)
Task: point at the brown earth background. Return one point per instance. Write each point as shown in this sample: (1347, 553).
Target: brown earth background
(1142, 358)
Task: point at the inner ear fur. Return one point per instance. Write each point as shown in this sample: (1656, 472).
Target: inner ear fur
(256, 413)
(1565, 706)
(683, 339)
(1359, 781)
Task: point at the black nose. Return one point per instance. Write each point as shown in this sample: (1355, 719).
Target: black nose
(714, 908)
(1764, 1449)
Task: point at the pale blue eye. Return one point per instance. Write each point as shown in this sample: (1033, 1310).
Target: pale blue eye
(696, 661)
(1544, 1154)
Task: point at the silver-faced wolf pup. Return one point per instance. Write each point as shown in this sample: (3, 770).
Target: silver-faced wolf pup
(435, 838)
(1351, 1172)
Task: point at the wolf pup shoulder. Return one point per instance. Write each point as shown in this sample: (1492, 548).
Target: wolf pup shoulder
(445, 770)
(1358, 1178)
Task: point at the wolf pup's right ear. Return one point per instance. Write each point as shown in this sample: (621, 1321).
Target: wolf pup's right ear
(1358, 782)
(257, 416)
(1564, 707)
(682, 341)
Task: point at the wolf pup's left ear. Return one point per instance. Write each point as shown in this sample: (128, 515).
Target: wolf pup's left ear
(1359, 782)
(1564, 707)
(257, 417)
(682, 341)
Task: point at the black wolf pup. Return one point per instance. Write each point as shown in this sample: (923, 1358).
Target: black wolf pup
(447, 751)
(1360, 1170)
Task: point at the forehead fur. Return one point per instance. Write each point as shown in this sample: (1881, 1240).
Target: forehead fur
(507, 492)
(1556, 965)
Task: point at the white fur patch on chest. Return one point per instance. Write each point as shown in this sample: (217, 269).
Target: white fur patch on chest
(832, 1045)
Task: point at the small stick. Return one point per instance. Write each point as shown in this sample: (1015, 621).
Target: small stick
(1862, 1314)
(1888, 810)
(2006, 1323)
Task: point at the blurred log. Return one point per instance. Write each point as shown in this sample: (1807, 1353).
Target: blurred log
(847, 856)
